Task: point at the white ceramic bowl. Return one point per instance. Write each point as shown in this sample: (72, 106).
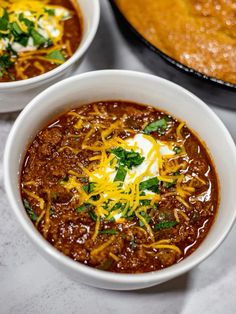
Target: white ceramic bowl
(136, 87)
(15, 95)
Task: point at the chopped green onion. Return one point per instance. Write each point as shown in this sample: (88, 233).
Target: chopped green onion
(133, 244)
(56, 55)
(50, 12)
(16, 29)
(4, 20)
(108, 231)
(64, 179)
(165, 225)
(177, 150)
(38, 39)
(127, 158)
(81, 208)
(150, 184)
(92, 215)
(169, 185)
(29, 210)
(121, 174)
(89, 188)
(26, 21)
(146, 217)
(159, 125)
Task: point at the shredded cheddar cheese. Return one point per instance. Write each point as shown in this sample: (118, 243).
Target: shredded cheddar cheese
(36, 197)
(103, 246)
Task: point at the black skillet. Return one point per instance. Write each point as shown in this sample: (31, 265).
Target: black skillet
(213, 91)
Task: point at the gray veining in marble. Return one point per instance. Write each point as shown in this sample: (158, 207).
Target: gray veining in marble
(28, 284)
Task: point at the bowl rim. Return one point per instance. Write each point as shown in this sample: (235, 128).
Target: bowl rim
(176, 64)
(61, 259)
(82, 48)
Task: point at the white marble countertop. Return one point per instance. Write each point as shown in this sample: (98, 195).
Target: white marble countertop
(28, 284)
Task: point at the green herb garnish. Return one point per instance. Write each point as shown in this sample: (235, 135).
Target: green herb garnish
(64, 179)
(89, 188)
(92, 215)
(169, 185)
(159, 125)
(108, 231)
(4, 20)
(56, 55)
(29, 210)
(150, 184)
(50, 12)
(127, 158)
(81, 208)
(165, 225)
(121, 174)
(5, 63)
(177, 150)
(26, 21)
(84, 179)
(146, 217)
(38, 39)
(15, 29)
(133, 244)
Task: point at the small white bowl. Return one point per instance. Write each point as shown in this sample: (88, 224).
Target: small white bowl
(15, 95)
(136, 87)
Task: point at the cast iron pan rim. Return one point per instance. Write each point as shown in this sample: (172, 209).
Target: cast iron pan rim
(175, 63)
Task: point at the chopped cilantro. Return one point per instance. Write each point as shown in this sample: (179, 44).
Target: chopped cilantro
(81, 208)
(48, 43)
(89, 188)
(84, 179)
(56, 55)
(165, 225)
(92, 215)
(16, 30)
(133, 244)
(177, 173)
(4, 20)
(5, 63)
(11, 50)
(145, 202)
(23, 40)
(38, 39)
(150, 184)
(108, 231)
(64, 179)
(159, 125)
(127, 158)
(121, 174)
(29, 210)
(169, 185)
(11, 76)
(177, 150)
(50, 12)
(129, 218)
(26, 21)
(146, 217)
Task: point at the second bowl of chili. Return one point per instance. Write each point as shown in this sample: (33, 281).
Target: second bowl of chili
(41, 43)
